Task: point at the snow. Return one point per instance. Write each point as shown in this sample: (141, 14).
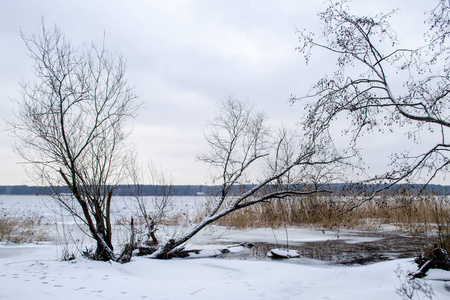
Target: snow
(35, 271)
(283, 253)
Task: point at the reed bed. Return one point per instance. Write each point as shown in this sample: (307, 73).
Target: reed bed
(408, 213)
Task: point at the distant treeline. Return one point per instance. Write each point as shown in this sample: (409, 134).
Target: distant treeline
(196, 190)
(146, 190)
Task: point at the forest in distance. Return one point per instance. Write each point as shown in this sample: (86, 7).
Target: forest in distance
(210, 190)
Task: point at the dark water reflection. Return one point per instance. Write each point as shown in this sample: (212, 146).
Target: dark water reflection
(386, 246)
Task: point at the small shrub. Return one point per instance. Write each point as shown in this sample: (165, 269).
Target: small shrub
(67, 256)
(412, 288)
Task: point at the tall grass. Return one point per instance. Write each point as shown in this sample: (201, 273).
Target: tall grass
(22, 228)
(406, 212)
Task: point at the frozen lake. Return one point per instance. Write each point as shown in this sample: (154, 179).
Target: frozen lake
(349, 247)
(34, 271)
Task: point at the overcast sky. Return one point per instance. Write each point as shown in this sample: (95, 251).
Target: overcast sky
(184, 57)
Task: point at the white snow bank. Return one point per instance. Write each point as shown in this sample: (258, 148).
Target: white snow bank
(34, 273)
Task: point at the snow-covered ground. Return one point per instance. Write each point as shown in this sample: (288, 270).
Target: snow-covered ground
(34, 271)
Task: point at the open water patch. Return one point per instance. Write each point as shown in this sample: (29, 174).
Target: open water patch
(372, 247)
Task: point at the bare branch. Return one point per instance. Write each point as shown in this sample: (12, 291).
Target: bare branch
(70, 125)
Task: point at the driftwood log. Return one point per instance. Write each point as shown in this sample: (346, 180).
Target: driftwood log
(438, 258)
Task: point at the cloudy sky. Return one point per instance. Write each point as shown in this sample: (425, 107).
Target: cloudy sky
(184, 57)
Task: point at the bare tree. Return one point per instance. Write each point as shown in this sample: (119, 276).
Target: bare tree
(70, 125)
(153, 201)
(239, 141)
(365, 86)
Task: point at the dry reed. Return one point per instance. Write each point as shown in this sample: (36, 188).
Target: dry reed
(406, 212)
(22, 228)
